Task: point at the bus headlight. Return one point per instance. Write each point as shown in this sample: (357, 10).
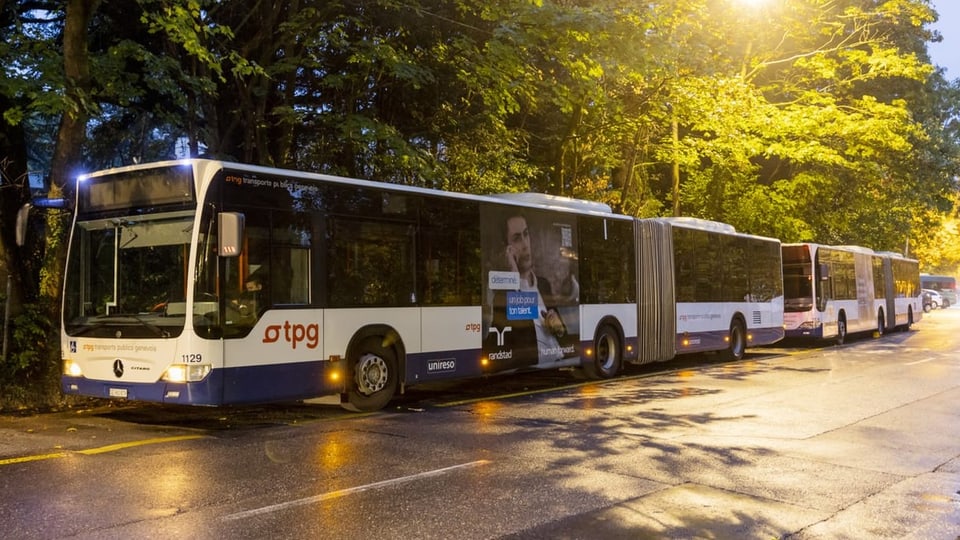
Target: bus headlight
(182, 373)
(72, 368)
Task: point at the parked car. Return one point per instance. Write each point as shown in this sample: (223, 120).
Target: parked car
(931, 300)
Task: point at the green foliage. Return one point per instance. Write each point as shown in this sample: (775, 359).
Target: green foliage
(550, 96)
(30, 331)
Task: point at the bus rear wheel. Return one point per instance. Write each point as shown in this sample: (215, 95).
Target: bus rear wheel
(738, 341)
(373, 377)
(607, 358)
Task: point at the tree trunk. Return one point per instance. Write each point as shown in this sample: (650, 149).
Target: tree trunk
(67, 154)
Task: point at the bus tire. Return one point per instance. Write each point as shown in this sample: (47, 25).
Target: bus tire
(881, 324)
(738, 341)
(373, 376)
(607, 358)
(841, 329)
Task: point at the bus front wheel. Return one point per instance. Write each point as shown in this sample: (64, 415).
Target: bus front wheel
(607, 359)
(373, 377)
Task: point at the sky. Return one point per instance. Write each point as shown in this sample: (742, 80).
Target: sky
(946, 54)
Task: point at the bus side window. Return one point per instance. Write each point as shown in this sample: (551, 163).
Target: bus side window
(607, 261)
(449, 253)
(292, 270)
(371, 263)
(248, 279)
(292, 238)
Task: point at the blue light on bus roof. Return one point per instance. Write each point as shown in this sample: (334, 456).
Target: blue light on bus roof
(59, 203)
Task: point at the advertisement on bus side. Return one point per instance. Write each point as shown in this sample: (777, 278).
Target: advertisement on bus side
(531, 288)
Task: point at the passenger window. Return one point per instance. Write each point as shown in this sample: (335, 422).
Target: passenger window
(371, 263)
(290, 259)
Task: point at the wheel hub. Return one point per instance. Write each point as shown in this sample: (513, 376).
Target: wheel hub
(372, 374)
(606, 353)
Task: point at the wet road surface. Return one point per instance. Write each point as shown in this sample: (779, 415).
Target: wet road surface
(858, 441)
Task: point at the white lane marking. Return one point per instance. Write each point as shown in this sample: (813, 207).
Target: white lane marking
(349, 491)
(924, 361)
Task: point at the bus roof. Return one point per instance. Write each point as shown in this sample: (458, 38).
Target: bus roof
(532, 200)
(556, 201)
(698, 223)
(817, 246)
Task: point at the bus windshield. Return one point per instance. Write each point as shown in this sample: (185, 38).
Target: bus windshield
(797, 287)
(797, 279)
(127, 276)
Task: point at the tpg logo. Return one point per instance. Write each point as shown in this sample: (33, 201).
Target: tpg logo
(294, 334)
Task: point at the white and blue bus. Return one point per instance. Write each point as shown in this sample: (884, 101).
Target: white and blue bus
(833, 291)
(211, 283)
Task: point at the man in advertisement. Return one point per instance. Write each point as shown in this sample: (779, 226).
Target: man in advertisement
(530, 315)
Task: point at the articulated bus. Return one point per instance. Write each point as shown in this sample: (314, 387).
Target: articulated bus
(211, 283)
(833, 291)
(945, 285)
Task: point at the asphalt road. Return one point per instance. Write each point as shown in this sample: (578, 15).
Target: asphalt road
(858, 441)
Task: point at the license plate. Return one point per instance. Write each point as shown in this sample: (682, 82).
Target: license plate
(118, 392)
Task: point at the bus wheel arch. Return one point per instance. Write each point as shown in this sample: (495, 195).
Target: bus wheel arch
(374, 367)
(607, 358)
(737, 339)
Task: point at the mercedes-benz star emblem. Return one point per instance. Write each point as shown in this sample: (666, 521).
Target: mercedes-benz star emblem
(118, 368)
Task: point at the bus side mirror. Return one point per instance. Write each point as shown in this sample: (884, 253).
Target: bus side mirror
(22, 215)
(229, 233)
(824, 272)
